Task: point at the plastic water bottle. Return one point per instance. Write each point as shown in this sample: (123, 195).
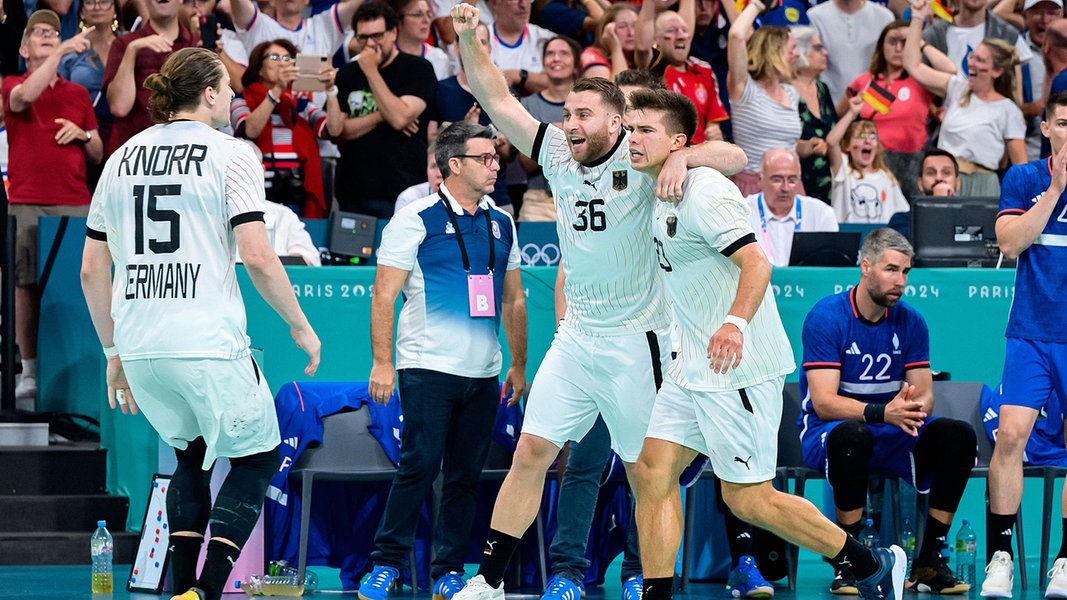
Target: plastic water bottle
(908, 541)
(869, 535)
(102, 548)
(966, 552)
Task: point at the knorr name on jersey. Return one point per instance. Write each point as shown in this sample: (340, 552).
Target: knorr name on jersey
(161, 160)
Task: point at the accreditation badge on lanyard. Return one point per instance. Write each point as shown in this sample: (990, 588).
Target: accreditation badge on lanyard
(480, 290)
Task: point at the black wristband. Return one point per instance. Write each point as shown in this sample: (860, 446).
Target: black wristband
(523, 76)
(874, 412)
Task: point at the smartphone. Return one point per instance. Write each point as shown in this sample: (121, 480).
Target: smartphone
(308, 67)
(209, 31)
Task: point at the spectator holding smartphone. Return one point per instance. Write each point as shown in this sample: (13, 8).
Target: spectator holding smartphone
(286, 127)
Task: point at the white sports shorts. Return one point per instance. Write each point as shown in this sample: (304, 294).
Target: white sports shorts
(738, 429)
(227, 402)
(583, 375)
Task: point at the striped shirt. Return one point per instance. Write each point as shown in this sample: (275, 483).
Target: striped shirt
(283, 154)
(604, 222)
(696, 238)
(760, 123)
(167, 205)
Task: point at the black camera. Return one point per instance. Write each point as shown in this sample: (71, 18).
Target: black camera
(287, 187)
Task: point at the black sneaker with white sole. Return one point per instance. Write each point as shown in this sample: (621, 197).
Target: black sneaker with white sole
(844, 582)
(936, 579)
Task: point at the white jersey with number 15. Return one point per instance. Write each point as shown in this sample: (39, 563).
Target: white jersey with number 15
(167, 204)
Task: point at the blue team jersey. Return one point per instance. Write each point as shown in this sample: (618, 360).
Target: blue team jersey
(872, 357)
(1039, 303)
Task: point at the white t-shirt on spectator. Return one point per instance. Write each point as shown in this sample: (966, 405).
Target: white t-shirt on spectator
(849, 41)
(525, 54)
(866, 197)
(977, 132)
(443, 8)
(234, 47)
(961, 40)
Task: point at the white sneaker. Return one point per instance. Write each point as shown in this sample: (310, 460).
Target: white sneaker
(1057, 579)
(999, 576)
(27, 388)
(478, 588)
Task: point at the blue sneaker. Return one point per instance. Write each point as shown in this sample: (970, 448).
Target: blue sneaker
(745, 581)
(378, 583)
(633, 587)
(691, 474)
(561, 588)
(888, 581)
(447, 585)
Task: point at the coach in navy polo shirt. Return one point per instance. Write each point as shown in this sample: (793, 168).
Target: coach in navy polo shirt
(454, 255)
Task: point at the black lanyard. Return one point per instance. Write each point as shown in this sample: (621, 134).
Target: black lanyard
(459, 236)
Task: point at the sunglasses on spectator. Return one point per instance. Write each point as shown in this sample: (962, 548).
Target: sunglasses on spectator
(487, 158)
(867, 135)
(419, 15)
(364, 37)
(279, 57)
(99, 3)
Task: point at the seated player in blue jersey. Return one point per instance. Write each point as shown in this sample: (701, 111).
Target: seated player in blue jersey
(1031, 226)
(868, 396)
(723, 393)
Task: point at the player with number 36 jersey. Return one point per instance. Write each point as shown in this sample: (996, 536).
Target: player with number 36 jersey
(603, 209)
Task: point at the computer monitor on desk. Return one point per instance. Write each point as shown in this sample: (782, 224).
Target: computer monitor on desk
(825, 249)
(955, 231)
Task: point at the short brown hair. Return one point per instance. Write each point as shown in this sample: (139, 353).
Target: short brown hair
(609, 93)
(680, 116)
(640, 78)
(181, 81)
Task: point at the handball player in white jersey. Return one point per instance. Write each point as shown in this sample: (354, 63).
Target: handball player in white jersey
(174, 204)
(722, 396)
(611, 348)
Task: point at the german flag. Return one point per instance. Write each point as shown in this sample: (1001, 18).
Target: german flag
(940, 10)
(878, 97)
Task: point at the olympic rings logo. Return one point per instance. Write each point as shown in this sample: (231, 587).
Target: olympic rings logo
(534, 254)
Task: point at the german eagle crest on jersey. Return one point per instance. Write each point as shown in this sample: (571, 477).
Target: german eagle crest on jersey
(618, 180)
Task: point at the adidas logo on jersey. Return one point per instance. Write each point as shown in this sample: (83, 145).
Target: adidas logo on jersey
(853, 349)
(292, 442)
(989, 415)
